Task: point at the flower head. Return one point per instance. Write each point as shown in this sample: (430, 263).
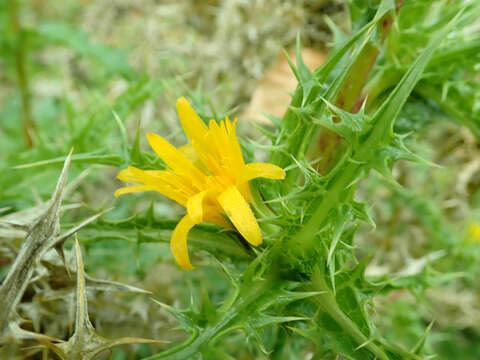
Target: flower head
(208, 177)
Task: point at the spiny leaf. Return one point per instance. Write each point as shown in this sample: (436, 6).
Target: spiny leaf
(85, 343)
(32, 248)
(57, 273)
(53, 241)
(292, 65)
(183, 316)
(387, 113)
(287, 297)
(337, 54)
(262, 320)
(345, 124)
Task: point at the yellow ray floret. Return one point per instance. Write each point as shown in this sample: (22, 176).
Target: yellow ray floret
(209, 178)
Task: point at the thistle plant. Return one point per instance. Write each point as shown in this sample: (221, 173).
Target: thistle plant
(307, 279)
(288, 233)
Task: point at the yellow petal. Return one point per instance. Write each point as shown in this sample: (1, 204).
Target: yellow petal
(174, 158)
(189, 151)
(162, 177)
(164, 182)
(194, 127)
(212, 215)
(132, 189)
(240, 214)
(195, 207)
(218, 137)
(236, 152)
(265, 170)
(127, 176)
(178, 243)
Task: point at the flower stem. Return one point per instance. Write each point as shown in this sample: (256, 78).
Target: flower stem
(248, 300)
(327, 303)
(353, 93)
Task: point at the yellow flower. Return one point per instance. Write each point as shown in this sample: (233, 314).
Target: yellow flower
(473, 232)
(208, 177)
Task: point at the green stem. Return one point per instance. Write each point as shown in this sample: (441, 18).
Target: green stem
(380, 82)
(337, 190)
(20, 63)
(327, 303)
(348, 97)
(353, 93)
(214, 242)
(249, 299)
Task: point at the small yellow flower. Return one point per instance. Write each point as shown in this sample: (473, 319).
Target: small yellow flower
(473, 232)
(208, 177)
